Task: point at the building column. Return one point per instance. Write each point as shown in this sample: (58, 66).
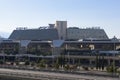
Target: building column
(109, 62)
(73, 60)
(90, 62)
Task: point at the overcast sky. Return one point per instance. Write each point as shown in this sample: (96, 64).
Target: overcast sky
(81, 13)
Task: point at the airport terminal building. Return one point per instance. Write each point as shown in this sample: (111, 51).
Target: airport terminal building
(58, 31)
(87, 46)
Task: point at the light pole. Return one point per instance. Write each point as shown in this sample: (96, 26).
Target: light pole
(114, 56)
(68, 54)
(52, 53)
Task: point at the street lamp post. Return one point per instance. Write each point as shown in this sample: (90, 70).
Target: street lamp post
(114, 59)
(52, 54)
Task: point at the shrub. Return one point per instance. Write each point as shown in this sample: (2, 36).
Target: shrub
(66, 67)
(111, 69)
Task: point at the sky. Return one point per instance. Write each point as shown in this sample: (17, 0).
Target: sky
(79, 13)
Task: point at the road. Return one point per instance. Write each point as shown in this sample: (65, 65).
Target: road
(38, 75)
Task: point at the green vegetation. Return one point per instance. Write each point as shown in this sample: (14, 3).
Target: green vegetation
(27, 63)
(112, 68)
(66, 67)
(1, 62)
(42, 63)
(56, 66)
(85, 68)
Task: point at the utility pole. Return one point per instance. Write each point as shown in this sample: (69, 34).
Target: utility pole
(114, 59)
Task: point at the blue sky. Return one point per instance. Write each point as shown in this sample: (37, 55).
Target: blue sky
(81, 13)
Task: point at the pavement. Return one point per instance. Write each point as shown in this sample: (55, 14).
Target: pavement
(39, 75)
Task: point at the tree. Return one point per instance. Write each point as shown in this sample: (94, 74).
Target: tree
(27, 63)
(56, 66)
(66, 67)
(1, 62)
(112, 68)
(32, 64)
(17, 63)
(42, 63)
(85, 68)
(97, 61)
(102, 64)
